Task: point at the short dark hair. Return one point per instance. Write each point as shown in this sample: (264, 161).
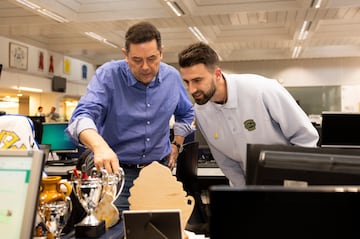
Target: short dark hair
(142, 32)
(198, 53)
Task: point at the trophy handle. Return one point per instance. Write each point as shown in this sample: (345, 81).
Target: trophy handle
(69, 203)
(121, 176)
(104, 175)
(68, 187)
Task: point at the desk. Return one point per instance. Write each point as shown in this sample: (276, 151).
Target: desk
(210, 176)
(64, 171)
(210, 172)
(116, 231)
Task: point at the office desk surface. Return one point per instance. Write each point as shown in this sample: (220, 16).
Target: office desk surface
(213, 172)
(64, 171)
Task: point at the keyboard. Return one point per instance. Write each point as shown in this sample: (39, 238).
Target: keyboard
(207, 164)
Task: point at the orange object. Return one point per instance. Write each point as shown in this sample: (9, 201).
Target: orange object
(50, 189)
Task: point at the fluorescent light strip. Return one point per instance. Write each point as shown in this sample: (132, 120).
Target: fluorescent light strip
(28, 4)
(110, 44)
(198, 34)
(296, 52)
(304, 30)
(317, 3)
(43, 11)
(52, 15)
(101, 39)
(95, 36)
(175, 8)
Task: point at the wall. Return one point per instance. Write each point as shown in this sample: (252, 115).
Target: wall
(342, 72)
(41, 79)
(303, 72)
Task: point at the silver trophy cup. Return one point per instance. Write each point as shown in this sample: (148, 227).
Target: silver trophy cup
(89, 190)
(55, 215)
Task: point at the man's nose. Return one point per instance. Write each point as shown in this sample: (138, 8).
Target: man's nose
(191, 88)
(145, 65)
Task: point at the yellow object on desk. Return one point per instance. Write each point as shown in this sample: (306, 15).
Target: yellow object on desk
(156, 188)
(51, 191)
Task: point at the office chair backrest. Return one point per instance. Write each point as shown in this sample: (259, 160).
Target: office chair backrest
(186, 172)
(17, 132)
(186, 167)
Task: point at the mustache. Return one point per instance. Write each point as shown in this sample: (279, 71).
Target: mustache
(197, 93)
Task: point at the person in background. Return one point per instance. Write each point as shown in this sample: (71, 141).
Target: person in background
(124, 115)
(39, 111)
(233, 110)
(52, 115)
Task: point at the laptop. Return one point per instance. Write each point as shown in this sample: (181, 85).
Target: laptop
(154, 224)
(20, 177)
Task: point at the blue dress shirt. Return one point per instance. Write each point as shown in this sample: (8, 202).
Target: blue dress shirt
(133, 118)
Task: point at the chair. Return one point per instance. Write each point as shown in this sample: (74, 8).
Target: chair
(186, 172)
(17, 132)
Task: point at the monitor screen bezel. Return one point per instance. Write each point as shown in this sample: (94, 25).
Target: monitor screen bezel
(37, 159)
(316, 171)
(72, 149)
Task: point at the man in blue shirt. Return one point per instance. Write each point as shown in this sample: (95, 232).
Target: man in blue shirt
(124, 115)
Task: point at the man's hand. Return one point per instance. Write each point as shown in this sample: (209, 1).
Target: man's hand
(173, 156)
(104, 156)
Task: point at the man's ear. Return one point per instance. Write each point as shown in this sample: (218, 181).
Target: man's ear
(161, 52)
(218, 72)
(125, 53)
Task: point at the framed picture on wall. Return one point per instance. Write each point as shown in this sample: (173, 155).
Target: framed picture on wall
(18, 56)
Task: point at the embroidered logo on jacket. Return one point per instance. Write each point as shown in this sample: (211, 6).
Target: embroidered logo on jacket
(250, 124)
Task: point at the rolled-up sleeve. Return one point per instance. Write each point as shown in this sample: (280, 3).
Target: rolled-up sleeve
(77, 126)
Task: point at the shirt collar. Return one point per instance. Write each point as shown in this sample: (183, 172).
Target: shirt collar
(231, 95)
(133, 81)
(231, 92)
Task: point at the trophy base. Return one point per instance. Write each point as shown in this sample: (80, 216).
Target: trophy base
(92, 231)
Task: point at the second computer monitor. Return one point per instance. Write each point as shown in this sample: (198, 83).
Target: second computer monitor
(301, 166)
(54, 135)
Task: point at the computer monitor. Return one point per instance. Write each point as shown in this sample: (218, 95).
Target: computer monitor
(253, 211)
(54, 135)
(160, 223)
(340, 130)
(37, 122)
(289, 165)
(20, 175)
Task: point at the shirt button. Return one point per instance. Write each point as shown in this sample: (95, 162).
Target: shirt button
(147, 122)
(148, 105)
(143, 155)
(148, 139)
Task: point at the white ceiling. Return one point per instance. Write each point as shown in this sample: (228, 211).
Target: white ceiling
(237, 29)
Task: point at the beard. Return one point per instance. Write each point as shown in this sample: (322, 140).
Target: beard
(204, 96)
